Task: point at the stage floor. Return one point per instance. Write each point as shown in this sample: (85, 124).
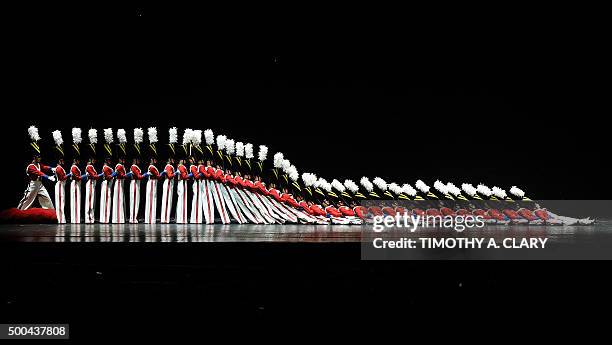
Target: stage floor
(179, 233)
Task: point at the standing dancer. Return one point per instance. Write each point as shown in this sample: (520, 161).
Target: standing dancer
(168, 177)
(75, 184)
(206, 173)
(60, 174)
(36, 173)
(106, 187)
(153, 173)
(136, 176)
(196, 202)
(181, 191)
(119, 175)
(91, 178)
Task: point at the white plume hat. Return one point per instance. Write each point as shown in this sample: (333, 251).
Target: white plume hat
(248, 150)
(420, 185)
(365, 182)
(263, 153)
(351, 186)
(239, 149)
(517, 192)
(173, 135)
(277, 161)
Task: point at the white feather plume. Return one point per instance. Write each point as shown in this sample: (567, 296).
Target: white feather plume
(498, 192)
(408, 190)
(351, 186)
(365, 182)
(380, 183)
(338, 185)
(138, 135)
(173, 134)
(230, 146)
(248, 150)
(440, 187)
(57, 137)
(309, 179)
(108, 135)
(323, 184)
(286, 164)
(484, 190)
(121, 136)
(293, 173)
(239, 149)
(420, 185)
(278, 160)
(395, 188)
(33, 132)
(517, 192)
(152, 132)
(468, 189)
(93, 135)
(76, 135)
(263, 153)
(221, 142)
(209, 137)
(453, 189)
(196, 137)
(187, 134)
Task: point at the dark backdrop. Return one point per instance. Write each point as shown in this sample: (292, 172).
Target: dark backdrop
(495, 102)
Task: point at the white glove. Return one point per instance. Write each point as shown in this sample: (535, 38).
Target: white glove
(53, 169)
(52, 178)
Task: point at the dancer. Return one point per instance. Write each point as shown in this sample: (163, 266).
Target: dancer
(36, 173)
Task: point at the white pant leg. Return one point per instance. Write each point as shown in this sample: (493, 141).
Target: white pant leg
(134, 200)
(196, 203)
(219, 202)
(181, 203)
(166, 210)
(106, 202)
(119, 201)
(30, 194)
(208, 206)
(75, 202)
(90, 201)
(151, 202)
(60, 201)
(229, 203)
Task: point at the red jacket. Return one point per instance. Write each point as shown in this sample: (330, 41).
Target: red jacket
(91, 172)
(375, 210)
(108, 171)
(61, 173)
(203, 172)
(183, 175)
(288, 199)
(346, 211)
(525, 213)
(193, 169)
(153, 172)
(261, 188)
(333, 211)
(512, 214)
(389, 211)
(361, 212)
(136, 175)
(304, 205)
(493, 213)
(229, 179)
(219, 175)
(36, 171)
(120, 169)
(275, 194)
(481, 213)
(76, 173)
(318, 210)
(169, 171)
(542, 214)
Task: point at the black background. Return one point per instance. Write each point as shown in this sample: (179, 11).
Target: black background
(499, 101)
(513, 95)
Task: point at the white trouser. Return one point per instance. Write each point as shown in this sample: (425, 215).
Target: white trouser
(90, 201)
(181, 203)
(119, 201)
(106, 200)
(219, 201)
(60, 201)
(134, 200)
(196, 203)
(151, 202)
(35, 190)
(208, 205)
(229, 203)
(166, 209)
(75, 201)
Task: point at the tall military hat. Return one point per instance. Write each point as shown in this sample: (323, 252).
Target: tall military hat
(172, 142)
(262, 155)
(309, 180)
(277, 166)
(239, 155)
(424, 191)
(137, 145)
(353, 189)
(92, 135)
(230, 149)
(121, 143)
(341, 191)
(219, 157)
(209, 138)
(186, 148)
(76, 142)
(383, 188)
(369, 188)
(196, 142)
(443, 189)
(248, 156)
(108, 142)
(58, 149)
(34, 140)
(152, 135)
(470, 191)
